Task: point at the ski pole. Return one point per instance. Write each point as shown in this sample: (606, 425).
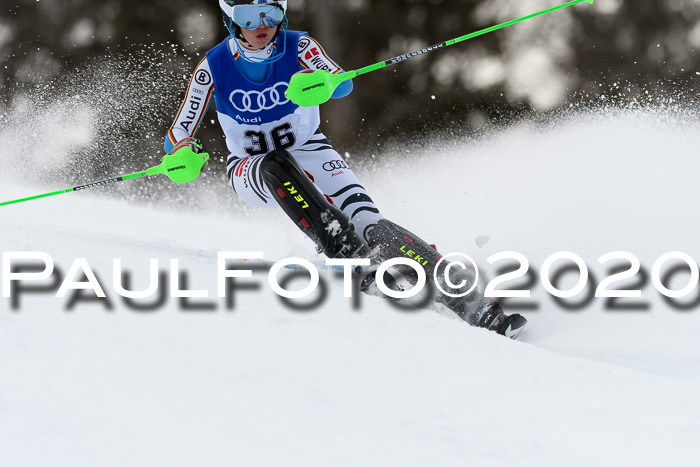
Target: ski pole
(182, 167)
(317, 87)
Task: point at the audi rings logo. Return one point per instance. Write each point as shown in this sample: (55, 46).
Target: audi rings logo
(257, 101)
(330, 166)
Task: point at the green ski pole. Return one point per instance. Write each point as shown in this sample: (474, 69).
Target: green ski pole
(181, 167)
(315, 88)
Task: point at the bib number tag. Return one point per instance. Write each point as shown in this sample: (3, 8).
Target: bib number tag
(281, 137)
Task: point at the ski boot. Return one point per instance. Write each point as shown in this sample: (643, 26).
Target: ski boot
(493, 318)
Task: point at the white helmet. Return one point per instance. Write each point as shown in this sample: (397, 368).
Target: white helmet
(228, 5)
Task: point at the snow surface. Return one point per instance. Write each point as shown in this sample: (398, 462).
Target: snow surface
(263, 385)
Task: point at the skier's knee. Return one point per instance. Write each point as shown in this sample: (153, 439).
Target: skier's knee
(279, 163)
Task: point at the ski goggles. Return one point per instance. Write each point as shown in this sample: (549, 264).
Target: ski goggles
(253, 16)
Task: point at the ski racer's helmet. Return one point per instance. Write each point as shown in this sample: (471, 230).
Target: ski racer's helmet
(252, 14)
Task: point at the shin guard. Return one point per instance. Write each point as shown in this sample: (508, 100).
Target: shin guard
(388, 240)
(328, 226)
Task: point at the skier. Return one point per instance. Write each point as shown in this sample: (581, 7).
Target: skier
(280, 157)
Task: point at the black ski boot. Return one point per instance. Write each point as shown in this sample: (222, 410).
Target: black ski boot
(493, 318)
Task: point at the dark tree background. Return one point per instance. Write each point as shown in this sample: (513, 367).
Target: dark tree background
(610, 50)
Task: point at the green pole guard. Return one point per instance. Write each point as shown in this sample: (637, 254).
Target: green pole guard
(182, 167)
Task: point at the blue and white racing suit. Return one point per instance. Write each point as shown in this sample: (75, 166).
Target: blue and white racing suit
(257, 118)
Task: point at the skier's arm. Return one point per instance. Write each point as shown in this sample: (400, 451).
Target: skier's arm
(193, 108)
(313, 57)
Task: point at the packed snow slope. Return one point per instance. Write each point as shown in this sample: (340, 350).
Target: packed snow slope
(263, 385)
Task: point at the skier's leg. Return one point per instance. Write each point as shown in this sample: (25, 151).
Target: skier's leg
(327, 225)
(278, 179)
(389, 240)
(326, 169)
(332, 175)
